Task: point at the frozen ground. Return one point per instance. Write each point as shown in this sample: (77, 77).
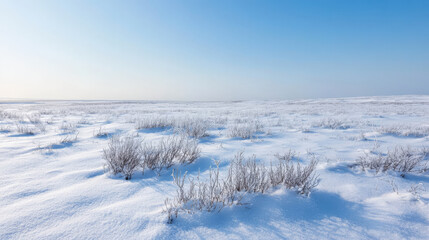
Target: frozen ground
(53, 185)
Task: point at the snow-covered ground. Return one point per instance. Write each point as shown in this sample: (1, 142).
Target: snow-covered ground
(53, 184)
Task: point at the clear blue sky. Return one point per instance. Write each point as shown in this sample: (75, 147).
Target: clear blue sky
(213, 50)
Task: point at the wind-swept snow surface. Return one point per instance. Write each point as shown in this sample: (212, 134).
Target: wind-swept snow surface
(53, 184)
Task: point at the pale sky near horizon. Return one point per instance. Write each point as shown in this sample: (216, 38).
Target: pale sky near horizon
(213, 50)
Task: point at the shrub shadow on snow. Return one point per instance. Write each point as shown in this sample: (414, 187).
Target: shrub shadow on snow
(307, 131)
(164, 130)
(415, 218)
(66, 133)
(26, 193)
(416, 178)
(23, 135)
(343, 168)
(95, 173)
(275, 209)
(107, 135)
(208, 139)
(369, 140)
(104, 136)
(408, 136)
(61, 145)
(201, 165)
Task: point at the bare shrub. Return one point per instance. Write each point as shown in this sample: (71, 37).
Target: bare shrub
(189, 151)
(25, 129)
(46, 150)
(100, 133)
(151, 157)
(219, 122)
(50, 121)
(295, 176)
(332, 123)
(11, 115)
(69, 138)
(62, 142)
(172, 210)
(253, 177)
(405, 131)
(193, 128)
(68, 127)
(244, 176)
(399, 159)
(416, 191)
(154, 122)
(170, 150)
(245, 130)
(247, 176)
(41, 126)
(163, 155)
(287, 156)
(34, 118)
(211, 195)
(123, 155)
(83, 121)
(425, 151)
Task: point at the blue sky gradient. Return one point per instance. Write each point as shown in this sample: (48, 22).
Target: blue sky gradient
(213, 50)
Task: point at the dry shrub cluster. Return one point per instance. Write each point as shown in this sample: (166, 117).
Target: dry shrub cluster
(244, 176)
(176, 149)
(154, 122)
(101, 133)
(125, 155)
(399, 159)
(332, 123)
(246, 130)
(405, 130)
(193, 128)
(25, 129)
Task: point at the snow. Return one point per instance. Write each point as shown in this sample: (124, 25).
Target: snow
(53, 190)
